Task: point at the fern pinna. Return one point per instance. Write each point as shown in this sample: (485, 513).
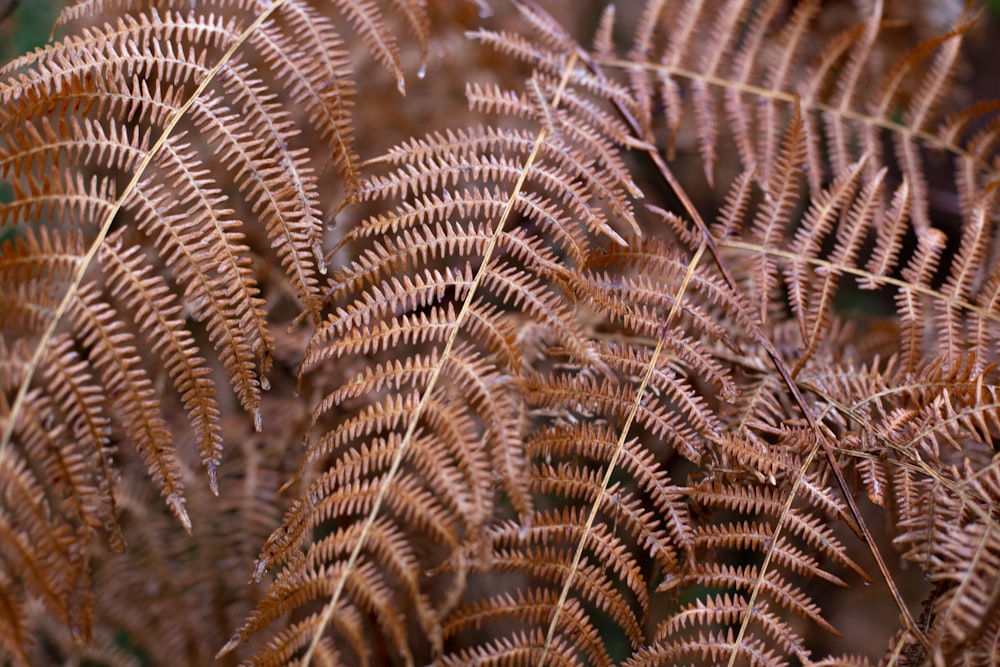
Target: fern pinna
(571, 376)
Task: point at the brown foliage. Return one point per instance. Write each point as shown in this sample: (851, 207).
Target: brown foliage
(569, 377)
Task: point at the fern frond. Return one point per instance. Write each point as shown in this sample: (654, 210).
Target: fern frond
(122, 232)
(155, 311)
(457, 388)
(516, 418)
(534, 606)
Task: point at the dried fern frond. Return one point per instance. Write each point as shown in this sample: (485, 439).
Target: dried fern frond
(655, 352)
(437, 428)
(759, 68)
(150, 159)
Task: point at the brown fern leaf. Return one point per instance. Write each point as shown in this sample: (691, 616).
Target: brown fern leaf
(151, 600)
(415, 451)
(966, 569)
(673, 419)
(520, 419)
(533, 605)
(147, 158)
(930, 458)
(758, 70)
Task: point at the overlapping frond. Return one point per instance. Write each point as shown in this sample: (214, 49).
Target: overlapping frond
(763, 63)
(415, 451)
(150, 160)
(574, 376)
